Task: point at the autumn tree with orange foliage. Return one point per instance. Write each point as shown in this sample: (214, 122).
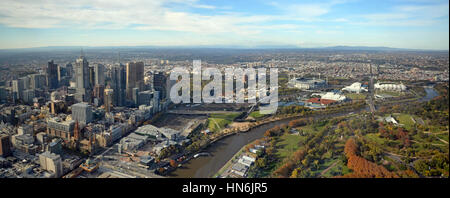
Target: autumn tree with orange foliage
(361, 167)
(173, 163)
(298, 123)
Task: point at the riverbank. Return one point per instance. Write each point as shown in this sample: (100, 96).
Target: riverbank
(224, 147)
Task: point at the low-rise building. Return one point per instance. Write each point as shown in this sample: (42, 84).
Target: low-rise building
(59, 128)
(387, 86)
(355, 87)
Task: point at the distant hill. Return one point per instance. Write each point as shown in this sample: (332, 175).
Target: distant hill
(256, 47)
(365, 48)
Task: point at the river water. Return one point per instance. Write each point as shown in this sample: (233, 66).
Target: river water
(431, 93)
(223, 150)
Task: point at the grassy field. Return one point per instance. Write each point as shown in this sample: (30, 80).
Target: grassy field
(375, 138)
(256, 114)
(218, 122)
(430, 139)
(227, 116)
(392, 93)
(406, 120)
(339, 169)
(288, 144)
(355, 96)
(308, 129)
(327, 163)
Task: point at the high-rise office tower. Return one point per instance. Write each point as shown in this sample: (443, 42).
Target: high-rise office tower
(99, 93)
(135, 77)
(109, 95)
(26, 82)
(37, 81)
(3, 94)
(69, 70)
(5, 146)
(62, 72)
(17, 88)
(52, 75)
(28, 96)
(118, 84)
(135, 94)
(99, 71)
(83, 87)
(91, 77)
(161, 83)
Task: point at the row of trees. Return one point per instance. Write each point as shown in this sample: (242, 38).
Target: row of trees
(299, 122)
(309, 155)
(362, 167)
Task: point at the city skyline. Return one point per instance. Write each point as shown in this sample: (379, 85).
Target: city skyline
(410, 24)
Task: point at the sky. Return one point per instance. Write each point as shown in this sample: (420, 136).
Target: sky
(412, 24)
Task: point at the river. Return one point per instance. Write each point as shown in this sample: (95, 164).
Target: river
(223, 150)
(431, 93)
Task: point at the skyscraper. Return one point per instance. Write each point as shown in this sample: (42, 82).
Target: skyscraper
(17, 88)
(5, 146)
(37, 81)
(83, 86)
(135, 78)
(99, 93)
(109, 94)
(69, 70)
(52, 75)
(99, 71)
(92, 75)
(160, 83)
(118, 84)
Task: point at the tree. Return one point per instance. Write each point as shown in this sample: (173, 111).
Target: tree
(295, 173)
(316, 164)
(173, 163)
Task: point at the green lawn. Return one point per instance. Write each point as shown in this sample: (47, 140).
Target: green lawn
(375, 138)
(339, 169)
(443, 136)
(308, 129)
(430, 139)
(228, 116)
(406, 120)
(356, 96)
(218, 122)
(392, 93)
(288, 144)
(256, 115)
(328, 162)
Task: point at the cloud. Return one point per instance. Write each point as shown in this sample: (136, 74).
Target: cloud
(306, 11)
(408, 15)
(114, 14)
(208, 23)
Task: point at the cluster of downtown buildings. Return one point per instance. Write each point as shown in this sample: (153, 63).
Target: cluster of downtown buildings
(79, 107)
